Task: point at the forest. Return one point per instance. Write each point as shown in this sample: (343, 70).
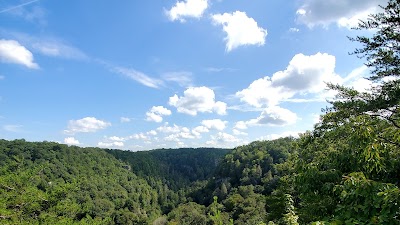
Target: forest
(344, 171)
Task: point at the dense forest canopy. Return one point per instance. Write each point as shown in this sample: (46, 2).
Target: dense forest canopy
(345, 171)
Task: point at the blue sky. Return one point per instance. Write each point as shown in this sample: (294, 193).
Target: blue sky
(141, 75)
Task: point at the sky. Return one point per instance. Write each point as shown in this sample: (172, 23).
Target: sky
(140, 75)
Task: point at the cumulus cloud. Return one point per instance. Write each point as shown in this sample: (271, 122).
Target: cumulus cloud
(86, 125)
(12, 51)
(223, 140)
(125, 119)
(115, 144)
(171, 129)
(294, 30)
(272, 116)
(187, 9)
(275, 116)
(215, 124)
(281, 135)
(176, 133)
(240, 29)
(238, 132)
(152, 132)
(140, 136)
(307, 73)
(156, 114)
(139, 77)
(181, 135)
(199, 130)
(304, 75)
(71, 141)
(241, 125)
(197, 99)
(116, 138)
(345, 13)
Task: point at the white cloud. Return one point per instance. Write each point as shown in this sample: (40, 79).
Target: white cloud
(345, 13)
(13, 52)
(187, 9)
(199, 130)
(115, 144)
(169, 129)
(275, 116)
(71, 141)
(356, 79)
(219, 69)
(294, 30)
(13, 128)
(176, 133)
(86, 125)
(272, 116)
(115, 138)
(184, 79)
(139, 136)
(55, 48)
(152, 132)
(240, 30)
(125, 120)
(139, 77)
(156, 114)
(238, 132)
(261, 92)
(48, 46)
(282, 135)
(241, 125)
(307, 73)
(223, 140)
(215, 124)
(197, 99)
(304, 75)
(181, 135)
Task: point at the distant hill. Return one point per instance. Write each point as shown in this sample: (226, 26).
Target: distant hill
(179, 167)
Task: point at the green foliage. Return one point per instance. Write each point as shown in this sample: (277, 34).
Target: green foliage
(349, 165)
(43, 182)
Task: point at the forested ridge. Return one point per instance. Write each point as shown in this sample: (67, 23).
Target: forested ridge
(344, 171)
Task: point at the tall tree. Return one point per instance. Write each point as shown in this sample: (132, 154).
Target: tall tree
(348, 168)
(382, 54)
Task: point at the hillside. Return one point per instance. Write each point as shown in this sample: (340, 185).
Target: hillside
(178, 167)
(52, 183)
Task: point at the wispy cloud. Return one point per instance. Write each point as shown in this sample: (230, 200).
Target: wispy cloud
(13, 128)
(45, 45)
(183, 78)
(138, 76)
(18, 6)
(219, 69)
